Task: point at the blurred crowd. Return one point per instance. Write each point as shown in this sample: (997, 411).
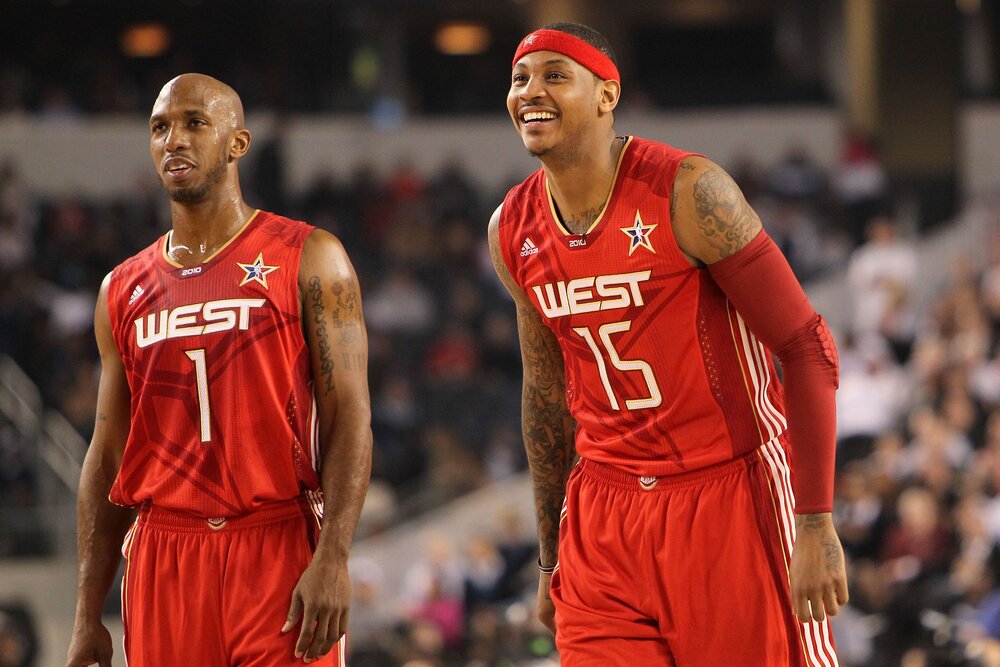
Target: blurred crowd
(918, 489)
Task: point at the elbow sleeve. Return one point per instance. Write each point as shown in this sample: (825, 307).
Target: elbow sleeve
(759, 283)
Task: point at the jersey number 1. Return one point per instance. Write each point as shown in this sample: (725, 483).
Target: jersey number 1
(625, 365)
(201, 380)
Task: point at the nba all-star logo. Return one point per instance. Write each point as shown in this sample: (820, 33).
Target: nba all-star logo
(638, 234)
(257, 271)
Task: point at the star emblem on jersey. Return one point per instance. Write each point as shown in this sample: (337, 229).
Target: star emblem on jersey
(256, 272)
(639, 235)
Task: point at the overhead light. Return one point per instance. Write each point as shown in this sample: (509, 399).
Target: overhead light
(145, 40)
(462, 38)
(969, 6)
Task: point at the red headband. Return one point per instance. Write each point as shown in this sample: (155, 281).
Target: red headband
(568, 45)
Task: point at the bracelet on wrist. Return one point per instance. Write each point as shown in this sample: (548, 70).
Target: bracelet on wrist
(543, 569)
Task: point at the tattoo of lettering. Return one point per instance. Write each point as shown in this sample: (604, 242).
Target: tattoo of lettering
(724, 217)
(319, 316)
(353, 361)
(580, 224)
(687, 166)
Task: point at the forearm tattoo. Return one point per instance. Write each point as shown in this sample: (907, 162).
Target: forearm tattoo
(546, 424)
(724, 217)
(548, 432)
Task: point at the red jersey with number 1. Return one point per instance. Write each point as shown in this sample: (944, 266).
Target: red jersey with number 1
(662, 375)
(223, 417)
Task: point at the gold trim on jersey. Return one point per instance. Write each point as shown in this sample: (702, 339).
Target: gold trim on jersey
(607, 200)
(170, 235)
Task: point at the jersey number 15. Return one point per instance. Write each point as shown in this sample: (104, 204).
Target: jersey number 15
(654, 397)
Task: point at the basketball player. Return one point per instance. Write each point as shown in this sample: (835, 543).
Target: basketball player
(648, 298)
(233, 408)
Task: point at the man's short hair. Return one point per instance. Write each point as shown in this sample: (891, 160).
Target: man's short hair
(587, 34)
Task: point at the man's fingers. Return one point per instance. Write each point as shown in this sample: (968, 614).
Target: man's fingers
(342, 629)
(306, 633)
(320, 635)
(831, 602)
(800, 604)
(294, 611)
(842, 594)
(333, 633)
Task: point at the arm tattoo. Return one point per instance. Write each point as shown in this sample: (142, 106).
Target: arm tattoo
(346, 315)
(546, 424)
(548, 431)
(724, 217)
(319, 317)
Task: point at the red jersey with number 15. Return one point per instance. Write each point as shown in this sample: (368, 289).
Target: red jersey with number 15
(222, 415)
(662, 374)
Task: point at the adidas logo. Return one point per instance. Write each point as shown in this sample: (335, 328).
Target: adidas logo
(136, 293)
(528, 248)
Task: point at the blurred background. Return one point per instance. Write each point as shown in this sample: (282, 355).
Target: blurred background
(866, 133)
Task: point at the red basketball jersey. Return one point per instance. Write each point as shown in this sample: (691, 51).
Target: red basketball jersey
(223, 417)
(662, 374)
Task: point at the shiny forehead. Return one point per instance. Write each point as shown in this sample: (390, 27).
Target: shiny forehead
(197, 93)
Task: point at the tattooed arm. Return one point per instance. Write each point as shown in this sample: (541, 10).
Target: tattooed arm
(712, 222)
(546, 423)
(335, 332)
(709, 215)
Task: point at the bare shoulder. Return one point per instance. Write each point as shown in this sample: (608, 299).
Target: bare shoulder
(496, 254)
(324, 254)
(710, 216)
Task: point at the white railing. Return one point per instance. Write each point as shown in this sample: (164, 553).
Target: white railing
(58, 457)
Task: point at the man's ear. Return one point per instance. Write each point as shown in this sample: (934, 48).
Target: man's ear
(239, 144)
(609, 92)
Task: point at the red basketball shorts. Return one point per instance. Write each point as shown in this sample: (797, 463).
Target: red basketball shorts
(689, 570)
(215, 593)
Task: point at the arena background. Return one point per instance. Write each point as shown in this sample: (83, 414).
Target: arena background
(865, 133)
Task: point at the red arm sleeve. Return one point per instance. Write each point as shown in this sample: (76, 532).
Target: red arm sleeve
(761, 285)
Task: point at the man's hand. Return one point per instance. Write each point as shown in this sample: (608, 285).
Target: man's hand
(817, 576)
(91, 644)
(546, 608)
(321, 599)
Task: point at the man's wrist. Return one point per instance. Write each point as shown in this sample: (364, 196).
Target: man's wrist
(545, 569)
(814, 520)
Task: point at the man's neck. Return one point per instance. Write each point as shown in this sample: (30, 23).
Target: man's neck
(202, 228)
(580, 187)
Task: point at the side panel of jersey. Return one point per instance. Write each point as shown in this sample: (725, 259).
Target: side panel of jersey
(223, 417)
(661, 374)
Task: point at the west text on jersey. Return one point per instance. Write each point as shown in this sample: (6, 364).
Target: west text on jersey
(619, 290)
(195, 319)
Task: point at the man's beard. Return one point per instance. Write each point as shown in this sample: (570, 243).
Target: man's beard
(196, 193)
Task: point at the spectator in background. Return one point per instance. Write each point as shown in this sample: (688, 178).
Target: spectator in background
(859, 184)
(798, 178)
(881, 275)
(270, 179)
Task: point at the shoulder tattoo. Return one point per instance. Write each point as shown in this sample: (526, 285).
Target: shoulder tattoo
(724, 218)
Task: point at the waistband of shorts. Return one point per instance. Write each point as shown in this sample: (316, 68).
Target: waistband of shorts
(611, 475)
(273, 512)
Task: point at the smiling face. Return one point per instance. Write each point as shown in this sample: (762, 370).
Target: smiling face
(196, 136)
(556, 102)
